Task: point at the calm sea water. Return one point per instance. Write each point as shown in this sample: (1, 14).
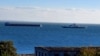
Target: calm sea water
(26, 38)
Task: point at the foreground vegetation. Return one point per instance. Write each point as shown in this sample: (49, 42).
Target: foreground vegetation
(7, 48)
(89, 51)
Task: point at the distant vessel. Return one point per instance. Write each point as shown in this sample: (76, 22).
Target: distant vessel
(22, 24)
(73, 26)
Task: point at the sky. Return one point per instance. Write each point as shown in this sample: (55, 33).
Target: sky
(60, 11)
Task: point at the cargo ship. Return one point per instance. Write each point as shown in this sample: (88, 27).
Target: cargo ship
(22, 24)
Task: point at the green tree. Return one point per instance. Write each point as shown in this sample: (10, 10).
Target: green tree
(7, 48)
(88, 51)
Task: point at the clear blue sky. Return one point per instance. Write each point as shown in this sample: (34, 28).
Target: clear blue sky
(52, 3)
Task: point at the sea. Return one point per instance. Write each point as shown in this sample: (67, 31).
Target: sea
(25, 38)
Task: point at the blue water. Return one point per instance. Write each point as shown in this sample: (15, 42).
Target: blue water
(26, 38)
